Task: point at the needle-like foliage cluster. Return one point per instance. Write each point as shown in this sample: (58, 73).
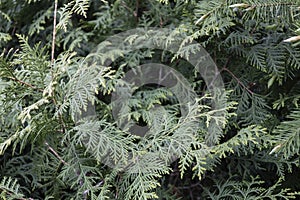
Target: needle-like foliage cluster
(51, 76)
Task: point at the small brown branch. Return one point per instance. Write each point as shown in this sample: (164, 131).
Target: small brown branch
(234, 76)
(129, 9)
(125, 6)
(238, 80)
(24, 83)
(137, 10)
(161, 22)
(56, 154)
(189, 187)
(54, 31)
(53, 58)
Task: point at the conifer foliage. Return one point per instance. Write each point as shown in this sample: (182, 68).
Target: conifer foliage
(57, 62)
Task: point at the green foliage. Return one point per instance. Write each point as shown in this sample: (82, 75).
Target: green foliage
(10, 189)
(51, 148)
(246, 189)
(287, 135)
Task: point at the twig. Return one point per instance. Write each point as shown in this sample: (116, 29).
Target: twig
(188, 187)
(238, 80)
(137, 10)
(234, 76)
(54, 31)
(125, 6)
(56, 154)
(24, 83)
(129, 9)
(53, 59)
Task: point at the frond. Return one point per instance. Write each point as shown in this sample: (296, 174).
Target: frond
(80, 7)
(244, 142)
(287, 135)
(140, 179)
(250, 189)
(5, 37)
(64, 17)
(104, 19)
(38, 24)
(10, 189)
(270, 10)
(84, 85)
(257, 57)
(207, 17)
(65, 13)
(102, 140)
(253, 109)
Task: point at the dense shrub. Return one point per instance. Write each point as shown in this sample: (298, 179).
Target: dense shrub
(58, 60)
